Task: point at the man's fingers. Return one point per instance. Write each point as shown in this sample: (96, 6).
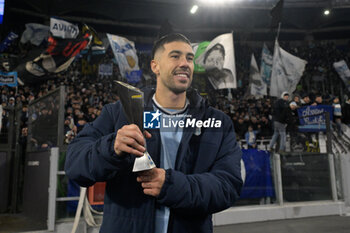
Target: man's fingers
(134, 135)
(151, 188)
(146, 185)
(133, 143)
(130, 150)
(130, 139)
(144, 178)
(150, 185)
(152, 181)
(151, 192)
(147, 134)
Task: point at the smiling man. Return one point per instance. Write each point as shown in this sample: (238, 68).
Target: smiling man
(198, 168)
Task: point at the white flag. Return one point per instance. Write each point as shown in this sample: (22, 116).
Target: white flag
(219, 62)
(35, 33)
(287, 70)
(343, 70)
(125, 54)
(266, 65)
(257, 86)
(63, 29)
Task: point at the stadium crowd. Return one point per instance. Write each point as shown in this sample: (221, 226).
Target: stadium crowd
(87, 91)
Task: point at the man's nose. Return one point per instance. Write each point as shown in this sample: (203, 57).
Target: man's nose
(184, 62)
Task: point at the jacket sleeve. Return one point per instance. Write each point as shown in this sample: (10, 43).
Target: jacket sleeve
(90, 156)
(208, 192)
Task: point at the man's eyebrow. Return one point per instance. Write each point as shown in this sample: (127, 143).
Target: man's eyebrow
(179, 52)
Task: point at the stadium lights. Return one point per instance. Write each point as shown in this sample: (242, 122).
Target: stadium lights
(194, 9)
(326, 12)
(212, 2)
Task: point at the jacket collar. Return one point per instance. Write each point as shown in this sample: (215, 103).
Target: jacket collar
(196, 101)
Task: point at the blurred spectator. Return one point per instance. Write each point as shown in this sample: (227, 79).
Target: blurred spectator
(337, 114)
(24, 115)
(279, 121)
(250, 137)
(296, 99)
(241, 128)
(318, 100)
(292, 122)
(254, 123)
(11, 102)
(305, 100)
(266, 128)
(346, 112)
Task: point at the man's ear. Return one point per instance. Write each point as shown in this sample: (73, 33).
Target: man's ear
(155, 67)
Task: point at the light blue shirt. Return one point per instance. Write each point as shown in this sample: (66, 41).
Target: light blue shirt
(170, 141)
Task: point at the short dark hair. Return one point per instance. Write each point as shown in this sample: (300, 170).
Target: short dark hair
(218, 47)
(168, 39)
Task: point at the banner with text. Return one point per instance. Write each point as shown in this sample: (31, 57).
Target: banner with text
(63, 29)
(313, 119)
(8, 78)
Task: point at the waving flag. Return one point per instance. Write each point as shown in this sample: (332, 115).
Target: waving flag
(287, 70)
(257, 86)
(266, 65)
(343, 70)
(56, 58)
(35, 33)
(63, 29)
(198, 49)
(125, 54)
(218, 60)
(8, 41)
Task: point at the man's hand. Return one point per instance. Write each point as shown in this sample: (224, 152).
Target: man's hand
(130, 140)
(152, 181)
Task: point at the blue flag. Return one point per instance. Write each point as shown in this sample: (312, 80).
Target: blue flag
(258, 182)
(8, 41)
(8, 78)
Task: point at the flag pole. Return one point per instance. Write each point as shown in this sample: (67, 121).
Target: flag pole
(229, 93)
(278, 30)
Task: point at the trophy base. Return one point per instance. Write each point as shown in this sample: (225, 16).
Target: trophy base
(143, 163)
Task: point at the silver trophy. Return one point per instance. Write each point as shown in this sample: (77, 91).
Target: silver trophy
(132, 100)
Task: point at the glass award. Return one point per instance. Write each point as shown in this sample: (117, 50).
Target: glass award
(132, 100)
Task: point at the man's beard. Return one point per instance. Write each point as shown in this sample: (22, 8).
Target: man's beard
(170, 84)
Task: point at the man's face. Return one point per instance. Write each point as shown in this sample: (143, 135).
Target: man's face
(306, 99)
(173, 66)
(286, 97)
(319, 99)
(214, 60)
